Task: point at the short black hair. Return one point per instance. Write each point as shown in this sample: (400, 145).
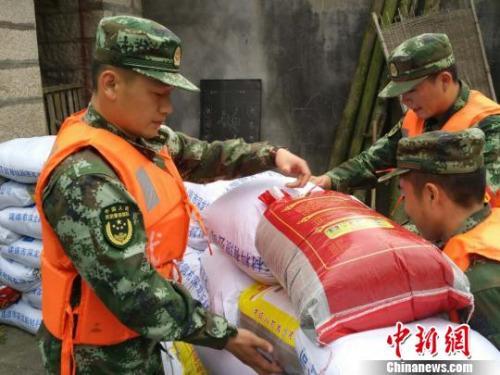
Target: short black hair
(452, 69)
(97, 68)
(464, 189)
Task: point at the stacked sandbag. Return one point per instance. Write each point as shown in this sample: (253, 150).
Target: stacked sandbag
(21, 161)
(181, 358)
(347, 268)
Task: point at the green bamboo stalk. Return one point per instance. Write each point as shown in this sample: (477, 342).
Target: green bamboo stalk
(344, 128)
(370, 90)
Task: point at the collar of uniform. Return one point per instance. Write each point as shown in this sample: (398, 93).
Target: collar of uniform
(436, 123)
(473, 220)
(95, 119)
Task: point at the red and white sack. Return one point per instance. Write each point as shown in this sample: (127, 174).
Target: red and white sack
(233, 218)
(347, 268)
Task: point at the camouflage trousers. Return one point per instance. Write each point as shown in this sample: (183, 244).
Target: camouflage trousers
(132, 357)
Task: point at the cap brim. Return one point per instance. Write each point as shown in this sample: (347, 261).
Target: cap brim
(392, 174)
(394, 88)
(174, 79)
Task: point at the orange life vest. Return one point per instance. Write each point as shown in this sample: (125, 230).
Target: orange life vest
(476, 109)
(483, 240)
(166, 210)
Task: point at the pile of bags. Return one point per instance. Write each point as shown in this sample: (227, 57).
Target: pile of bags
(321, 276)
(21, 161)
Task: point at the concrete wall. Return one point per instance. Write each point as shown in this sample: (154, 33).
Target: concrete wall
(66, 33)
(21, 103)
(305, 52)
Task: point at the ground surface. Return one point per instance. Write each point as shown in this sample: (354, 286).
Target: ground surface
(19, 353)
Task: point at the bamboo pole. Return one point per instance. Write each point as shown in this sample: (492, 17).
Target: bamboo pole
(344, 128)
(371, 86)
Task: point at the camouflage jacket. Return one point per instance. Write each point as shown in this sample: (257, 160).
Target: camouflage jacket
(360, 171)
(80, 187)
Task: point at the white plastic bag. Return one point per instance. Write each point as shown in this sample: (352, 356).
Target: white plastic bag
(221, 362)
(21, 159)
(23, 316)
(25, 251)
(15, 194)
(22, 220)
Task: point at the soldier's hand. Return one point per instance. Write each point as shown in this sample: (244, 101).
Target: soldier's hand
(291, 165)
(322, 181)
(246, 346)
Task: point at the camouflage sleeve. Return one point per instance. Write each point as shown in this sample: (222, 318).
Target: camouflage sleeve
(122, 277)
(491, 128)
(359, 172)
(200, 161)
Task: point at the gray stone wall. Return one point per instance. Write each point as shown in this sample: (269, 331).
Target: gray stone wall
(304, 51)
(21, 102)
(66, 33)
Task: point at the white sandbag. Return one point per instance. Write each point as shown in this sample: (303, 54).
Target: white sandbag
(190, 268)
(233, 218)
(221, 362)
(25, 250)
(7, 236)
(17, 276)
(268, 312)
(352, 354)
(23, 316)
(181, 358)
(224, 282)
(22, 220)
(15, 194)
(21, 159)
(34, 297)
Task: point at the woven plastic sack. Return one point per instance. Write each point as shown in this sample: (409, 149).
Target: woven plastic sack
(21, 159)
(7, 236)
(356, 354)
(17, 276)
(23, 316)
(268, 312)
(190, 269)
(25, 251)
(224, 282)
(34, 297)
(15, 194)
(347, 268)
(221, 362)
(22, 220)
(233, 218)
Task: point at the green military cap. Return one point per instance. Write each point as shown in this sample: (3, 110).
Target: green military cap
(143, 46)
(440, 152)
(414, 60)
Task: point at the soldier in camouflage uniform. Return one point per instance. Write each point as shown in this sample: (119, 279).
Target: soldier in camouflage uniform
(422, 70)
(136, 67)
(442, 177)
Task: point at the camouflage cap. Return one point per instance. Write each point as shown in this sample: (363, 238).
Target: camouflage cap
(440, 152)
(414, 60)
(143, 46)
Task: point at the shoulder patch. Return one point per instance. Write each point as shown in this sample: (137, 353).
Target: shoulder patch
(117, 225)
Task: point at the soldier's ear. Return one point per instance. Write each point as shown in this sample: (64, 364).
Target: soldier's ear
(446, 79)
(107, 83)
